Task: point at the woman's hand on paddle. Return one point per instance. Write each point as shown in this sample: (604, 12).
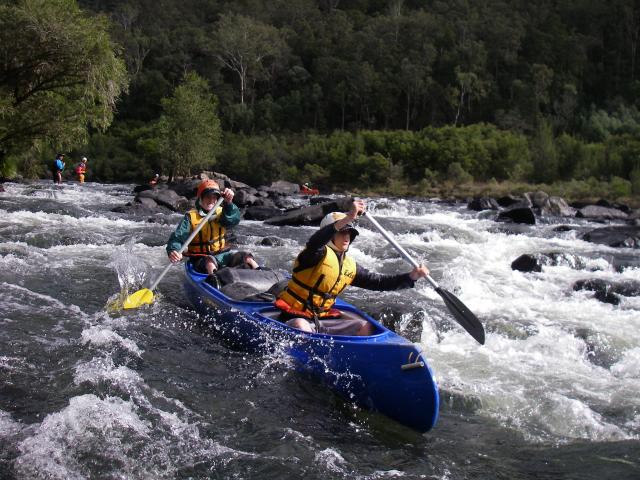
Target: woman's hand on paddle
(420, 271)
(174, 256)
(358, 207)
(227, 194)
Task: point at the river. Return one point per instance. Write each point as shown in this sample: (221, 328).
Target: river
(89, 392)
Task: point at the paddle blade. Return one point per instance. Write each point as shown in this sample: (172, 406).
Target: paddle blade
(139, 298)
(463, 315)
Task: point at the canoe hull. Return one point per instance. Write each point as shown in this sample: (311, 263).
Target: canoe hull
(382, 372)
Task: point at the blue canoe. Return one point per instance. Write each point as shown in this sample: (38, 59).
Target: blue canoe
(383, 372)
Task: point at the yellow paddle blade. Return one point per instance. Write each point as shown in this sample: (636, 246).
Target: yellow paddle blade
(139, 298)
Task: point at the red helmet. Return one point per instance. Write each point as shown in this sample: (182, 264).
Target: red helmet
(207, 186)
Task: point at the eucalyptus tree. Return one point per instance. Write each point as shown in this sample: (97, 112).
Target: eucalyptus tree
(249, 48)
(60, 74)
(189, 128)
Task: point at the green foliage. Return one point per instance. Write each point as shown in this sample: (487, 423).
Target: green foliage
(457, 174)
(635, 181)
(60, 74)
(543, 154)
(189, 128)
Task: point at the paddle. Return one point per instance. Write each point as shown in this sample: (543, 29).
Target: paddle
(461, 313)
(145, 295)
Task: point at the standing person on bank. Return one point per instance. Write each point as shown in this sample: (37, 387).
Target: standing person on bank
(81, 169)
(209, 251)
(324, 269)
(57, 168)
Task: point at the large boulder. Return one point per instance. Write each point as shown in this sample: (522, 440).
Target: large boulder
(284, 188)
(615, 236)
(166, 197)
(261, 213)
(557, 206)
(311, 215)
(595, 212)
(527, 263)
(483, 203)
(517, 215)
(511, 200)
(242, 198)
(537, 199)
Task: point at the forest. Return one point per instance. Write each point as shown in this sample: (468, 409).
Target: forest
(382, 95)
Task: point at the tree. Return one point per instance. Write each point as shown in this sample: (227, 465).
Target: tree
(189, 129)
(247, 47)
(59, 74)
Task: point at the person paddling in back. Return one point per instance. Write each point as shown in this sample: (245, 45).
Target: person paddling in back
(324, 269)
(57, 168)
(81, 169)
(209, 251)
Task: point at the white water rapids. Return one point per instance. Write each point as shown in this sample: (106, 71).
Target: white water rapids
(559, 367)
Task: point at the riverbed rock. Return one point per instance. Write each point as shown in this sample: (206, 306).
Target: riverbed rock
(311, 215)
(595, 212)
(517, 215)
(608, 292)
(557, 206)
(511, 201)
(261, 213)
(527, 263)
(537, 199)
(627, 236)
(483, 203)
(166, 197)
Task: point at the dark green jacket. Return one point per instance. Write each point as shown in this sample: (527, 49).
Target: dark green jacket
(230, 218)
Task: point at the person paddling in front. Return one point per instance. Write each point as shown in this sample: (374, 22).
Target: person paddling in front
(209, 251)
(324, 269)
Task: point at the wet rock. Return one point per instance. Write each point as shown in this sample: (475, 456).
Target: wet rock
(137, 209)
(147, 202)
(166, 197)
(141, 188)
(271, 242)
(483, 203)
(311, 215)
(186, 188)
(618, 206)
(517, 215)
(284, 188)
(627, 236)
(595, 212)
(526, 263)
(261, 213)
(608, 292)
(243, 198)
(537, 199)
(511, 200)
(563, 228)
(557, 206)
(266, 202)
(535, 262)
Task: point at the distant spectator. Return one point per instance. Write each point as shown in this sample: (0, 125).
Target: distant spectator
(57, 167)
(154, 181)
(81, 169)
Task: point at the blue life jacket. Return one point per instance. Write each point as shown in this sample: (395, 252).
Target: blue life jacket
(59, 165)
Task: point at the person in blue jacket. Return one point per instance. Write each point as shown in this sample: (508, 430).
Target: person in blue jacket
(57, 168)
(209, 250)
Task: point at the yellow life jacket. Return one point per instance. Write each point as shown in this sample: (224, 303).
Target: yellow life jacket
(211, 239)
(314, 290)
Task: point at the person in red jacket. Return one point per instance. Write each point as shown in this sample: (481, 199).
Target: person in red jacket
(81, 169)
